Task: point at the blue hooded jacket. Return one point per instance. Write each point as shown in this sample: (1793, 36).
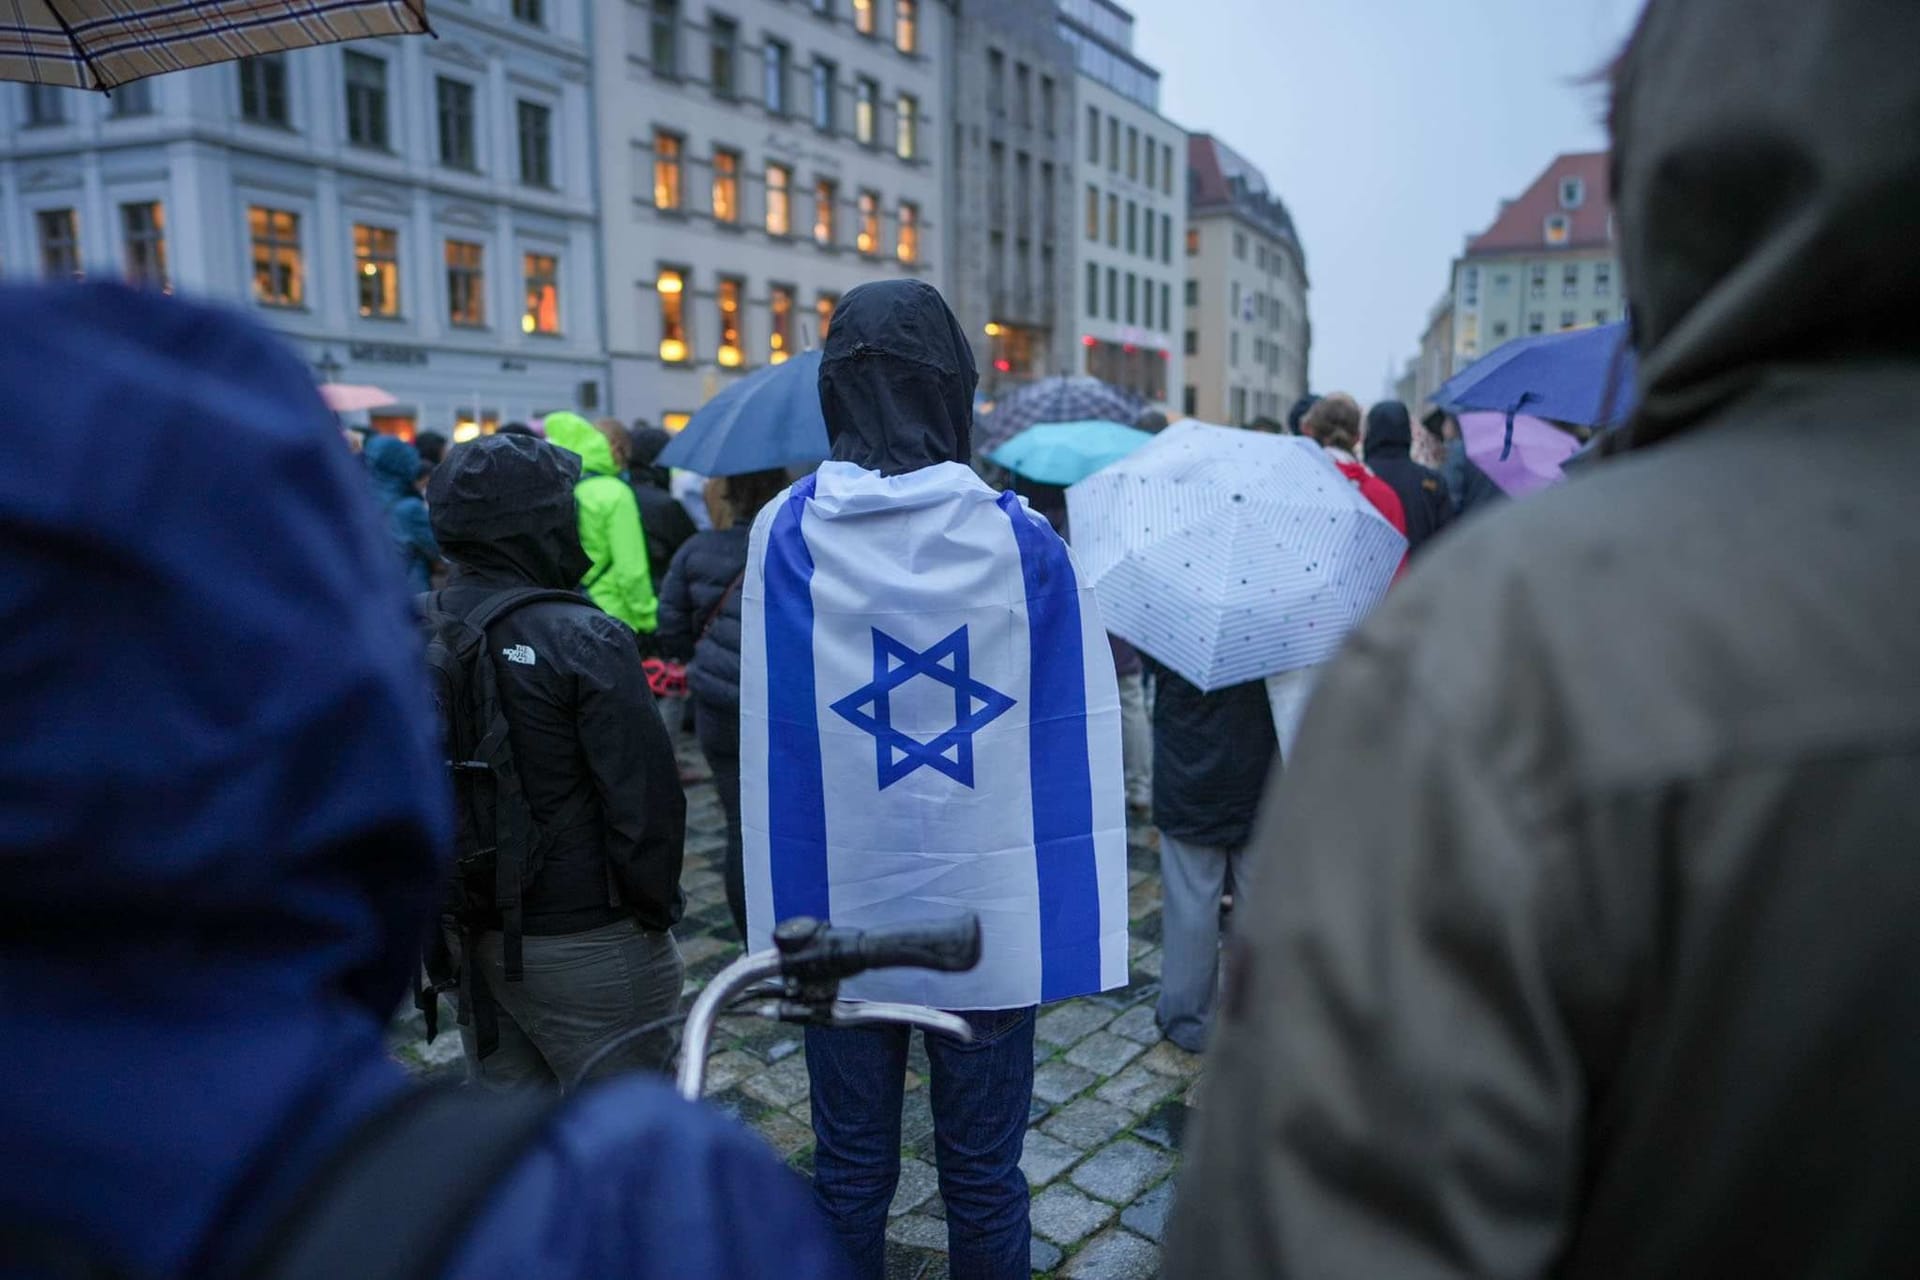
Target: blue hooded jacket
(395, 466)
(223, 827)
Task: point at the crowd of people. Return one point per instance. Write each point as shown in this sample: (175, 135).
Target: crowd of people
(1573, 935)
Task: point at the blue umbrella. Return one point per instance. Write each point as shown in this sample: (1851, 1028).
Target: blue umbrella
(1067, 452)
(770, 418)
(1584, 377)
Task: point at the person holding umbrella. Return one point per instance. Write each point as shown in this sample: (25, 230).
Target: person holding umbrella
(1388, 442)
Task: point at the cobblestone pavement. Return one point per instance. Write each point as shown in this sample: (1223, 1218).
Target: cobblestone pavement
(1111, 1098)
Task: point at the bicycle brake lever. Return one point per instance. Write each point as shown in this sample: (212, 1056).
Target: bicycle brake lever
(863, 1013)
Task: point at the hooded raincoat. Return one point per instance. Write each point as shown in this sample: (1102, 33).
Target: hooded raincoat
(395, 467)
(620, 579)
(224, 834)
(1615, 969)
(1388, 443)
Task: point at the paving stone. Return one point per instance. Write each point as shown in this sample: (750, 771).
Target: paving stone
(1148, 1214)
(1117, 1255)
(1165, 1125)
(1143, 899)
(1070, 1023)
(918, 1231)
(1137, 1024)
(1037, 1110)
(783, 1133)
(1045, 1158)
(1148, 927)
(935, 1207)
(1169, 1059)
(702, 881)
(1120, 1171)
(1103, 1053)
(1137, 1089)
(782, 1049)
(1137, 946)
(697, 950)
(1147, 967)
(917, 1181)
(916, 1117)
(781, 1085)
(1056, 1082)
(737, 1104)
(1044, 1256)
(1063, 1215)
(1136, 874)
(1194, 1094)
(1086, 1123)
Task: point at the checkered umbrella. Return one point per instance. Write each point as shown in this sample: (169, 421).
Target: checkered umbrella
(98, 44)
(1057, 399)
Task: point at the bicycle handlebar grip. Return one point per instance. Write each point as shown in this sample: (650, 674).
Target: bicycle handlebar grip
(952, 946)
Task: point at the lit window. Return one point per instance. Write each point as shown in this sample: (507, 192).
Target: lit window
(666, 171)
(1193, 242)
(866, 111)
(144, 228)
(726, 186)
(773, 63)
(868, 238)
(729, 354)
(1559, 228)
(823, 311)
(466, 285)
(279, 271)
(672, 287)
(825, 194)
(541, 275)
(906, 142)
(906, 26)
(779, 200)
(863, 17)
(376, 263)
(675, 421)
(780, 335)
(909, 247)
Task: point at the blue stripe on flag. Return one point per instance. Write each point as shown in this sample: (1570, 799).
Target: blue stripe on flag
(1061, 775)
(796, 790)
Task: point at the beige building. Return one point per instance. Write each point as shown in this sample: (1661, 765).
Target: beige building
(1247, 334)
(1434, 365)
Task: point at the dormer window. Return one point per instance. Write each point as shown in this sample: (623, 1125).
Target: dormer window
(1573, 193)
(1559, 228)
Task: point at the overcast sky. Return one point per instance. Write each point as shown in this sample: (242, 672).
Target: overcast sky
(1392, 129)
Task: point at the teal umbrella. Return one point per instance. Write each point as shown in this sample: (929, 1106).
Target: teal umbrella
(1067, 452)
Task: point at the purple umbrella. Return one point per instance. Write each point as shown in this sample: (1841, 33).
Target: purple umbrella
(1527, 461)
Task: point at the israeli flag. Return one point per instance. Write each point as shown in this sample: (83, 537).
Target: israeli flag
(930, 725)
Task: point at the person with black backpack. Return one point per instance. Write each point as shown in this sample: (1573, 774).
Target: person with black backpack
(569, 816)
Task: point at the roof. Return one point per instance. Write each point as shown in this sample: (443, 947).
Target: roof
(1522, 223)
(1220, 179)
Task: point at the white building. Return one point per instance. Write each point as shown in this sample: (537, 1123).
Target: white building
(414, 213)
(757, 161)
(1131, 208)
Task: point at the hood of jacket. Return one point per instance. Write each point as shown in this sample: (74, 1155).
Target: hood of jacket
(645, 444)
(222, 831)
(1766, 170)
(1389, 431)
(503, 505)
(897, 379)
(394, 465)
(581, 438)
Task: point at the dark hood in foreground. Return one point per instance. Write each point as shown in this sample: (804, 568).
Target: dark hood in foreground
(897, 379)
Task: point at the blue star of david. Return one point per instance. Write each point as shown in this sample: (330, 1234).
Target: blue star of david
(974, 707)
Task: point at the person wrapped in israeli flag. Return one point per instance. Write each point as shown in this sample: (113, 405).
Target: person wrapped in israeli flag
(929, 718)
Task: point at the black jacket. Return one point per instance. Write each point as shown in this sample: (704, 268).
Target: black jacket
(897, 379)
(1468, 487)
(587, 738)
(702, 593)
(1422, 491)
(1212, 753)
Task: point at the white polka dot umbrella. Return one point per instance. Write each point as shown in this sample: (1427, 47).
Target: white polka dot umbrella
(1231, 555)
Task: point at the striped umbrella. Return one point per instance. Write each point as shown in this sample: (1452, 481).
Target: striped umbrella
(98, 44)
(1057, 399)
(1231, 555)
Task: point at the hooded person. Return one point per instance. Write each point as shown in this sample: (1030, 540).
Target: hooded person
(225, 834)
(395, 467)
(620, 576)
(1611, 971)
(1387, 443)
(927, 706)
(664, 521)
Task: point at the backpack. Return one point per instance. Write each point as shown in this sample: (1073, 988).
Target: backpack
(498, 845)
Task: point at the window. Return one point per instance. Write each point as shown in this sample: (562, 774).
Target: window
(279, 272)
(1240, 246)
(1569, 319)
(906, 139)
(1602, 279)
(536, 145)
(863, 17)
(723, 37)
(455, 99)
(541, 274)
(1093, 290)
(826, 193)
(779, 200)
(909, 247)
(1046, 105)
(1113, 294)
(824, 8)
(1166, 309)
(1166, 168)
(1570, 280)
(1573, 193)
(1023, 94)
(663, 30)
(780, 332)
(263, 89)
(824, 73)
(143, 227)
(47, 104)
(1193, 242)
(59, 243)
(1113, 221)
(906, 26)
(1193, 342)
(1190, 400)
(1146, 236)
(1133, 227)
(466, 285)
(823, 312)
(1093, 213)
(1601, 316)
(1133, 288)
(1133, 153)
(726, 185)
(1259, 256)
(1152, 151)
(1113, 144)
(376, 265)
(531, 12)
(1500, 329)
(1559, 228)
(1046, 200)
(1536, 323)
(1166, 237)
(1093, 135)
(1536, 284)
(1193, 293)
(729, 355)
(866, 107)
(868, 237)
(773, 64)
(667, 149)
(996, 82)
(135, 98)
(671, 285)
(1238, 398)
(366, 100)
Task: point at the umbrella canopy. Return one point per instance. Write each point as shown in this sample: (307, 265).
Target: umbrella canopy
(1529, 460)
(1231, 555)
(1585, 376)
(1067, 452)
(98, 44)
(770, 418)
(1059, 399)
(347, 397)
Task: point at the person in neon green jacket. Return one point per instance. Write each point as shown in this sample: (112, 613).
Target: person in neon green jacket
(619, 581)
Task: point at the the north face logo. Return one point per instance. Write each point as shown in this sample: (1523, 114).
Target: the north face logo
(520, 653)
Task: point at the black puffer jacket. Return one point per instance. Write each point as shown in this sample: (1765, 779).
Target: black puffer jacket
(1212, 753)
(664, 521)
(586, 735)
(1422, 491)
(702, 594)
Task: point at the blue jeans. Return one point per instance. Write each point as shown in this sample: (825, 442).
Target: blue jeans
(981, 1093)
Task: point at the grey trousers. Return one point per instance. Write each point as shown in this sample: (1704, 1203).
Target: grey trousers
(1136, 739)
(1192, 878)
(578, 991)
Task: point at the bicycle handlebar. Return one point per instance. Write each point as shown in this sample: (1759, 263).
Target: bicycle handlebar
(814, 952)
